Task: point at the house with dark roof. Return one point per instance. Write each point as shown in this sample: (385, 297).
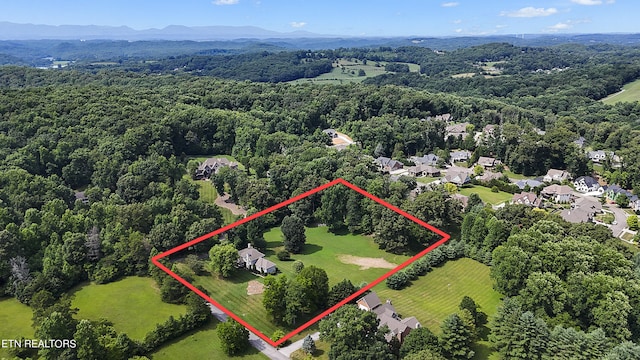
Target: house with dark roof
(212, 166)
(527, 198)
(459, 156)
(558, 193)
(331, 132)
(556, 175)
(521, 184)
(386, 164)
(585, 184)
(387, 315)
(252, 259)
(429, 159)
(613, 191)
(580, 142)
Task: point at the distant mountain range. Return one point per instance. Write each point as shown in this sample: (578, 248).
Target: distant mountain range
(13, 31)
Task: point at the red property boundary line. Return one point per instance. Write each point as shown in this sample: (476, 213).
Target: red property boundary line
(156, 262)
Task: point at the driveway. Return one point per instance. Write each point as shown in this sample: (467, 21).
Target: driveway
(621, 219)
(288, 350)
(268, 350)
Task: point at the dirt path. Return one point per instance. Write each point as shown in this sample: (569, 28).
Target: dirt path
(366, 263)
(235, 209)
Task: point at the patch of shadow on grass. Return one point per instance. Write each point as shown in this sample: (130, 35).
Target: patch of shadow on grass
(309, 249)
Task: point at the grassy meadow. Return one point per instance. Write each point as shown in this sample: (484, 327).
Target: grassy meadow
(200, 345)
(630, 92)
(346, 70)
(15, 320)
(486, 194)
(132, 304)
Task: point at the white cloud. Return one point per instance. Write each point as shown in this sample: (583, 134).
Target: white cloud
(458, 30)
(225, 2)
(530, 11)
(501, 26)
(592, 2)
(566, 25)
(298, 24)
(458, 21)
(450, 4)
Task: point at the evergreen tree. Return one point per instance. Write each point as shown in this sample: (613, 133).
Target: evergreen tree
(456, 338)
(308, 345)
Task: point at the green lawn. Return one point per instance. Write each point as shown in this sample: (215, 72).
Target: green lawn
(486, 194)
(631, 92)
(426, 179)
(322, 249)
(433, 297)
(200, 345)
(513, 175)
(322, 352)
(15, 318)
(347, 71)
(132, 304)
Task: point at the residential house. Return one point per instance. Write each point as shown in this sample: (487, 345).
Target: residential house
(423, 170)
(527, 198)
(444, 117)
(487, 162)
(82, 197)
(488, 176)
(576, 216)
(585, 184)
(556, 175)
(388, 165)
(456, 130)
(597, 156)
(457, 177)
(331, 132)
(252, 259)
(459, 156)
(387, 315)
(558, 193)
(429, 159)
(521, 184)
(613, 191)
(464, 200)
(588, 204)
(580, 142)
(212, 166)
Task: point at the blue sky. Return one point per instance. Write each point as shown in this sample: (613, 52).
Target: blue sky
(344, 17)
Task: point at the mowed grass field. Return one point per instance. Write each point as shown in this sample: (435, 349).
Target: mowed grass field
(202, 344)
(630, 92)
(322, 249)
(486, 194)
(350, 72)
(132, 304)
(15, 322)
(433, 297)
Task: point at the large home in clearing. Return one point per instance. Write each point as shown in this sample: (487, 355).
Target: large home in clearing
(386, 164)
(585, 184)
(556, 175)
(558, 193)
(212, 166)
(387, 315)
(521, 184)
(252, 259)
(456, 130)
(527, 198)
(487, 162)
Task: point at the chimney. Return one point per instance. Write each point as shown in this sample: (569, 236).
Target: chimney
(249, 246)
(389, 301)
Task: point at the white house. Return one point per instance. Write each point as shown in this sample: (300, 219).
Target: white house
(585, 184)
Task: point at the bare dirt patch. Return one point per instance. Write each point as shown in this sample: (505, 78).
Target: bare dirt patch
(366, 263)
(223, 201)
(255, 288)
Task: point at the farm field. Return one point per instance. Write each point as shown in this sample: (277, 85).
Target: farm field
(15, 318)
(486, 194)
(200, 345)
(132, 304)
(323, 249)
(630, 92)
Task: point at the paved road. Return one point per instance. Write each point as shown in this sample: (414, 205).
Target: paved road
(288, 350)
(255, 341)
(621, 219)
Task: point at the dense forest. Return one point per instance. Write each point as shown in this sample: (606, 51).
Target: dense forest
(94, 162)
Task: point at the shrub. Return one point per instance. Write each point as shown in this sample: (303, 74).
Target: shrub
(398, 280)
(283, 255)
(495, 189)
